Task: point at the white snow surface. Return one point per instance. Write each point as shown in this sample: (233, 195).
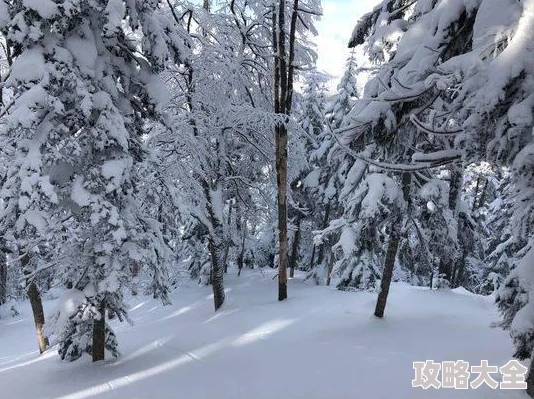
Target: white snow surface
(319, 344)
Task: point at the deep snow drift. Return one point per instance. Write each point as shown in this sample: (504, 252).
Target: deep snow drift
(320, 344)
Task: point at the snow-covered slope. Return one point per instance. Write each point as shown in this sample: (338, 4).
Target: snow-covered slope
(320, 344)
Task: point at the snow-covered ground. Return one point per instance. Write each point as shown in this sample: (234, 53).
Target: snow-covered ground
(320, 344)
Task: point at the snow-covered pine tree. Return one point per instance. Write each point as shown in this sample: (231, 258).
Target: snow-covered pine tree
(501, 247)
(477, 65)
(85, 81)
(5, 67)
(342, 101)
(323, 181)
(304, 136)
(397, 94)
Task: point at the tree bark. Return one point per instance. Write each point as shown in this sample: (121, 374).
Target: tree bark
(312, 258)
(330, 267)
(217, 282)
(38, 315)
(135, 274)
(281, 139)
(241, 256)
(295, 250)
(281, 178)
(320, 255)
(393, 246)
(3, 280)
(215, 245)
(37, 306)
(99, 333)
(229, 242)
(389, 265)
(529, 378)
(446, 266)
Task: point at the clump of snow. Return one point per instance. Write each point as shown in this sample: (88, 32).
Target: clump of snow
(116, 171)
(4, 14)
(79, 194)
(66, 306)
(45, 8)
(115, 11)
(29, 66)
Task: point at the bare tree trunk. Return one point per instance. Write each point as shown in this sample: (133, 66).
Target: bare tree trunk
(38, 315)
(393, 246)
(37, 306)
(330, 267)
(216, 242)
(281, 178)
(241, 256)
(99, 334)
(225, 257)
(228, 243)
(217, 281)
(135, 274)
(475, 195)
(281, 149)
(320, 255)
(389, 265)
(310, 266)
(530, 377)
(447, 266)
(483, 194)
(283, 82)
(295, 249)
(3, 280)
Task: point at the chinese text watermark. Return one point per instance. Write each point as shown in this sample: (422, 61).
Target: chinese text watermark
(456, 374)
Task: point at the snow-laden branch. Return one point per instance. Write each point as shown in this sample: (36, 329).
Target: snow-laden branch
(424, 161)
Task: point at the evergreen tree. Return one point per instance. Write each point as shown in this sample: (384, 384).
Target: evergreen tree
(471, 93)
(85, 83)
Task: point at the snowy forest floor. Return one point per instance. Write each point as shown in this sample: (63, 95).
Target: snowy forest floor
(320, 344)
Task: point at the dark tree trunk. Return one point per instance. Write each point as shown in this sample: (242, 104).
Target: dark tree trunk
(459, 273)
(281, 172)
(135, 274)
(455, 189)
(447, 266)
(330, 267)
(38, 315)
(281, 150)
(393, 246)
(483, 194)
(475, 195)
(228, 242)
(241, 256)
(529, 378)
(320, 255)
(37, 306)
(216, 251)
(225, 257)
(295, 250)
(389, 265)
(99, 334)
(283, 89)
(310, 266)
(3, 280)
(217, 281)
